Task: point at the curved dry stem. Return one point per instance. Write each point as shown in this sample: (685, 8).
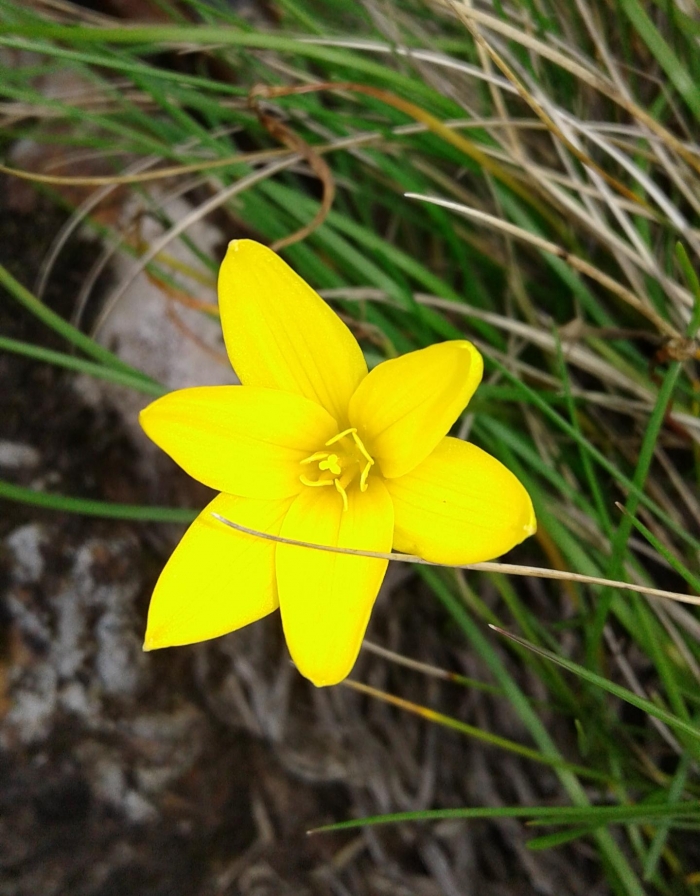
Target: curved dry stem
(282, 132)
(505, 568)
(118, 179)
(184, 223)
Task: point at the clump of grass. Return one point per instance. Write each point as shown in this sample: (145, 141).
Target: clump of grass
(524, 175)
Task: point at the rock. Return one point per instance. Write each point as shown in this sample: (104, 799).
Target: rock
(25, 545)
(151, 326)
(79, 636)
(17, 456)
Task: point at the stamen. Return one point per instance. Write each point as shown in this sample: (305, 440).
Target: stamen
(331, 464)
(341, 435)
(319, 455)
(318, 482)
(342, 469)
(358, 442)
(342, 493)
(365, 474)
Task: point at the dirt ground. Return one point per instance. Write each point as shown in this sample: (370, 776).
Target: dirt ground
(198, 770)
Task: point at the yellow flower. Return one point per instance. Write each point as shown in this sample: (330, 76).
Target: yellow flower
(314, 448)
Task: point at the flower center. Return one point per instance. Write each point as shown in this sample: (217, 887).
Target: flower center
(345, 460)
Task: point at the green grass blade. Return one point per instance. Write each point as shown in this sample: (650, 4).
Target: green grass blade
(559, 838)
(615, 689)
(609, 849)
(672, 561)
(63, 328)
(621, 536)
(99, 371)
(676, 71)
(545, 815)
(661, 836)
(90, 507)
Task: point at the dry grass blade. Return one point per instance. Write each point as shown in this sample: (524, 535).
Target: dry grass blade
(578, 264)
(539, 110)
(316, 162)
(425, 668)
(633, 683)
(574, 354)
(505, 568)
(112, 180)
(433, 124)
(183, 224)
(72, 12)
(587, 75)
(414, 53)
(669, 209)
(76, 219)
(479, 734)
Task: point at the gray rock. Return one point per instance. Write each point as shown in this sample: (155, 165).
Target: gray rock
(18, 456)
(25, 544)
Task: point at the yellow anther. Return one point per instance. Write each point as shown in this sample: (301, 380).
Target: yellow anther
(331, 464)
(365, 474)
(341, 435)
(319, 455)
(318, 482)
(358, 442)
(342, 493)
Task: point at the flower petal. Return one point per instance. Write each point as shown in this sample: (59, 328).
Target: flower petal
(406, 405)
(326, 598)
(217, 579)
(279, 333)
(460, 506)
(241, 440)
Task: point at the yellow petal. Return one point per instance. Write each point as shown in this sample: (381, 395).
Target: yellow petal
(405, 406)
(217, 579)
(279, 333)
(326, 598)
(460, 506)
(241, 440)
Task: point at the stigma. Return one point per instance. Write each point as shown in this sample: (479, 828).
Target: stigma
(342, 461)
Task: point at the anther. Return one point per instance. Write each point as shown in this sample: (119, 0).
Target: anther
(341, 435)
(358, 442)
(319, 455)
(318, 482)
(364, 475)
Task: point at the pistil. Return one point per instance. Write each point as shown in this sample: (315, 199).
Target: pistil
(350, 460)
